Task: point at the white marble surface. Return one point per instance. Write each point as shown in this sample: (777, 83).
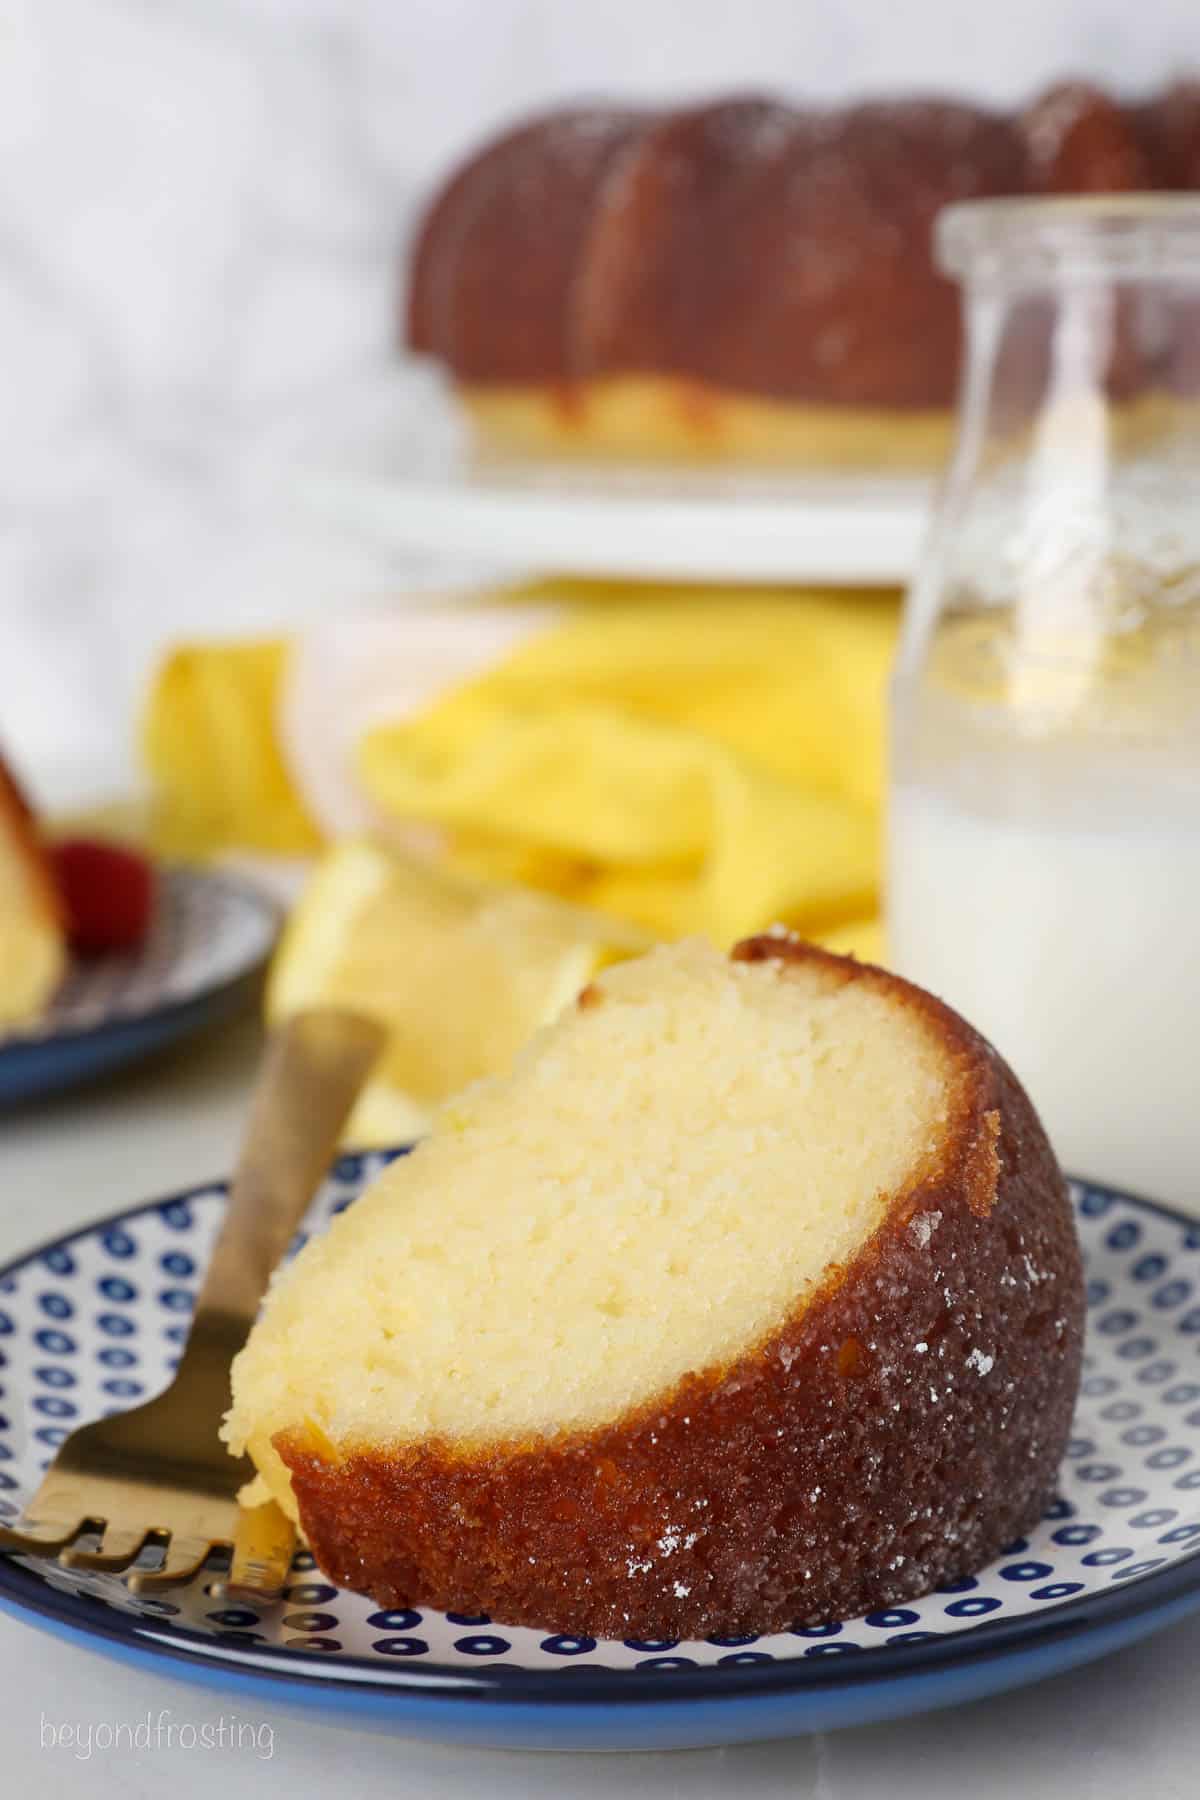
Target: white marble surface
(202, 206)
(1126, 1726)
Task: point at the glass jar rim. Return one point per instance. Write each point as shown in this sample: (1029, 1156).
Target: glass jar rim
(1100, 237)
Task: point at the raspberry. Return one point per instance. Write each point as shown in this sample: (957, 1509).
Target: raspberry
(108, 893)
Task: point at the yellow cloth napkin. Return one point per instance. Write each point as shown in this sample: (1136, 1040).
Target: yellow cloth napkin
(210, 743)
(687, 759)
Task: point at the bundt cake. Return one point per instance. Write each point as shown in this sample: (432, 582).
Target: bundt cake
(33, 952)
(751, 1295)
(743, 277)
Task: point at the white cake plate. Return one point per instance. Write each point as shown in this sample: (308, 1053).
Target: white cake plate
(397, 464)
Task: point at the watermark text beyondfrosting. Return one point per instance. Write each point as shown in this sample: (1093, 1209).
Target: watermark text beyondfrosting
(161, 1730)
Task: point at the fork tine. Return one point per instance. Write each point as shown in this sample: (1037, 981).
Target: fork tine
(182, 1557)
(115, 1551)
(163, 1461)
(262, 1553)
(38, 1537)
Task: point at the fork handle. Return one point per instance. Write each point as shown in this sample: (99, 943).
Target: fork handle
(312, 1072)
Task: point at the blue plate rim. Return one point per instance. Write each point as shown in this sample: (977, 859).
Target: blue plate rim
(23, 1592)
(15, 1045)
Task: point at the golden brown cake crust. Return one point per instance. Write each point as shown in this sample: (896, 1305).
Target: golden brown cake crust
(1081, 141)
(752, 248)
(19, 824)
(898, 1430)
(1168, 129)
(744, 243)
(493, 268)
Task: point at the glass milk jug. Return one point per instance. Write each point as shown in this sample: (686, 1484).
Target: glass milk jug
(1044, 824)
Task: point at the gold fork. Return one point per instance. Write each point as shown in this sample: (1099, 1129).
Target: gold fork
(158, 1475)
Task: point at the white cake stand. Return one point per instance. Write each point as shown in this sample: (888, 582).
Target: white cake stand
(397, 465)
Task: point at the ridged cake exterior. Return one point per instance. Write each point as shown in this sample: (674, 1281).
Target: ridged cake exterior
(898, 1429)
(744, 274)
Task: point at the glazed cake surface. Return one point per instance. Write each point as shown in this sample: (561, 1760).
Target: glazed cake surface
(752, 1294)
(32, 943)
(744, 277)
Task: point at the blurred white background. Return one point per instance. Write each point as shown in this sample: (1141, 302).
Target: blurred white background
(202, 208)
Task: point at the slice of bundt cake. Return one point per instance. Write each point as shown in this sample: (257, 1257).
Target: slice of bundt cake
(32, 944)
(752, 1295)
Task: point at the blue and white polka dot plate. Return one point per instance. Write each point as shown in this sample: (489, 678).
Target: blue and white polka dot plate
(210, 935)
(94, 1323)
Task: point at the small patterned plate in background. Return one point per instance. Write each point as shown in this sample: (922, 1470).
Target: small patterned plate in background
(94, 1322)
(210, 934)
